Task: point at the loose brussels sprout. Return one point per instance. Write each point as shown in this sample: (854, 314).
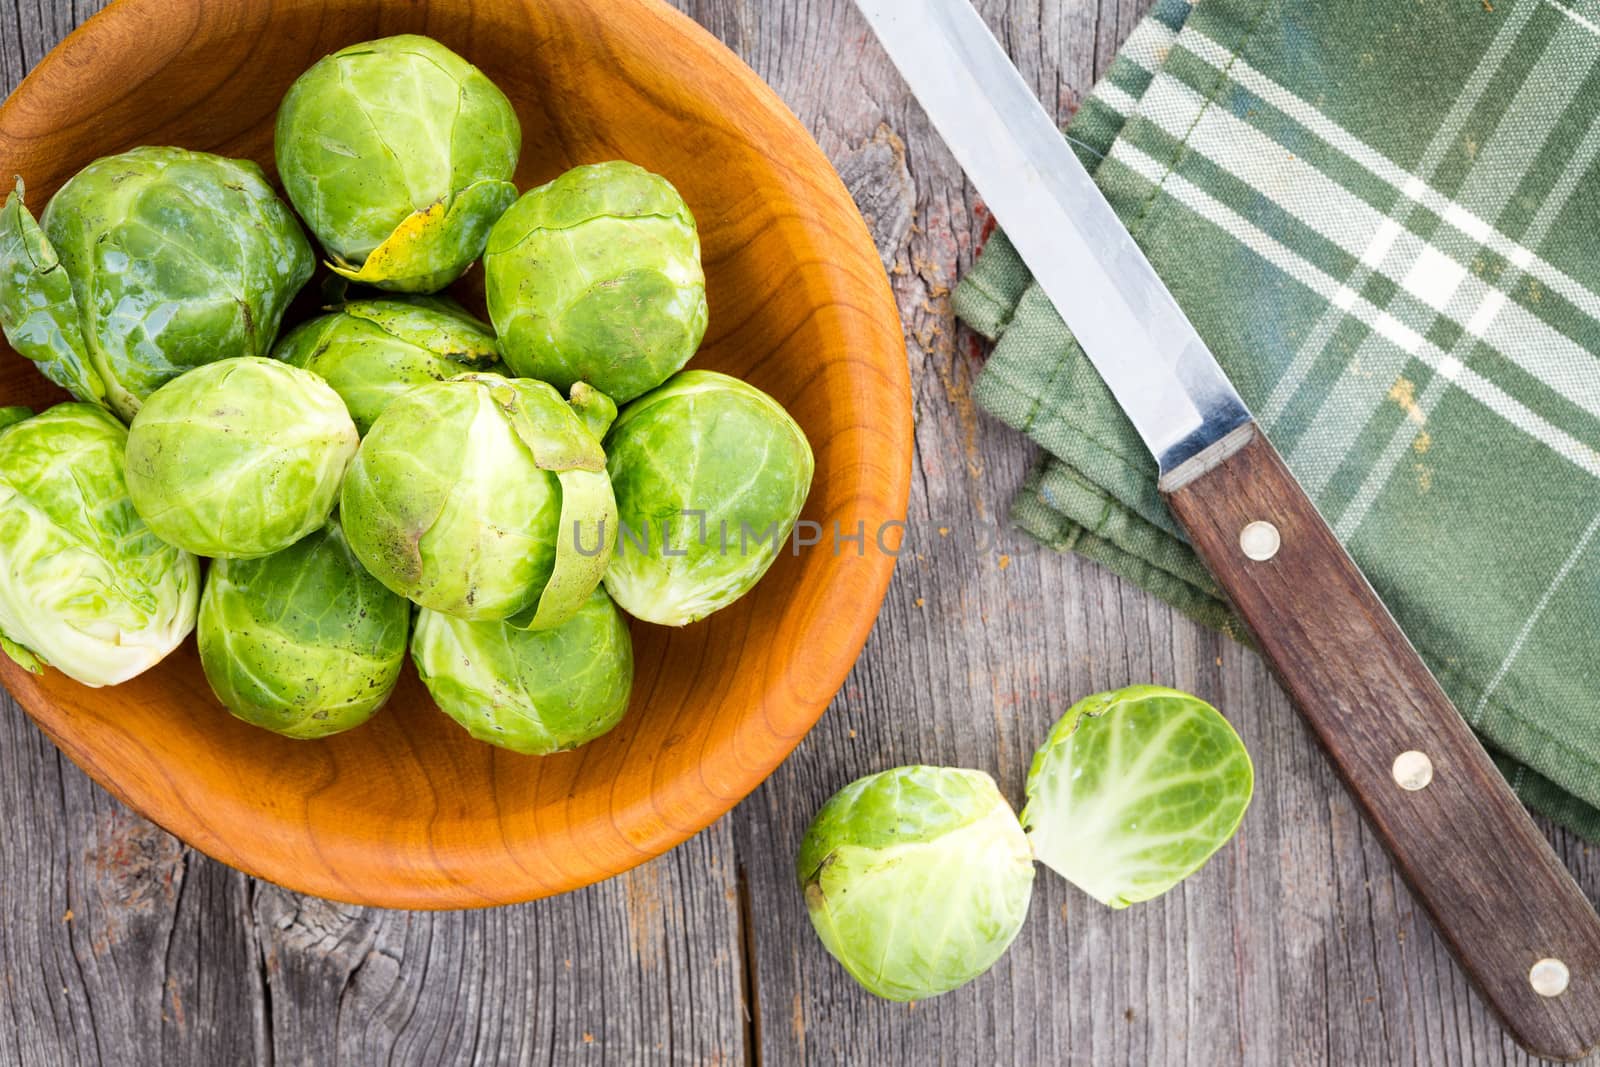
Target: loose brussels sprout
(485, 498)
(596, 277)
(398, 153)
(371, 351)
(84, 584)
(532, 691)
(147, 264)
(239, 458)
(916, 879)
(1134, 790)
(710, 474)
(303, 642)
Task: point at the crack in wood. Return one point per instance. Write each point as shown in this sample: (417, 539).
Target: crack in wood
(749, 969)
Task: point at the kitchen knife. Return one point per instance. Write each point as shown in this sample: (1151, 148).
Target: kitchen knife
(1498, 894)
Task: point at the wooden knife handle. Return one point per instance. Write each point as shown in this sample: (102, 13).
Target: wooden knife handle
(1495, 889)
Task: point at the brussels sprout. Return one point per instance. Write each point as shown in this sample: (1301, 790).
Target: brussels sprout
(532, 691)
(303, 642)
(710, 474)
(485, 498)
(145, 265)
(239, 458)
(1134, 790)
(371, 351)
(84, 584)
(596, 277)
(399, 154)
(916, 879)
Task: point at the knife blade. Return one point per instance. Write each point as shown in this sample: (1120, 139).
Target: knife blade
(1137, 336)
(1497, 893)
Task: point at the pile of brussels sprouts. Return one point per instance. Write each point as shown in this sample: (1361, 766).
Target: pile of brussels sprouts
(395, 473)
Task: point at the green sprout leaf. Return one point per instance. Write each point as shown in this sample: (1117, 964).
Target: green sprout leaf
(1134, 791)
(37, 308)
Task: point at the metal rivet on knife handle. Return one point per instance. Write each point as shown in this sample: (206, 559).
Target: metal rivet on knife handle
(1259, 541)
(1413, 770)
(1549, 977)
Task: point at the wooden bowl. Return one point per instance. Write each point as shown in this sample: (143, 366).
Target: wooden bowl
(408, 811)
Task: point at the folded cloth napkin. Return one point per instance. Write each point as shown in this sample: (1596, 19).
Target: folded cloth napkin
(1384, 219)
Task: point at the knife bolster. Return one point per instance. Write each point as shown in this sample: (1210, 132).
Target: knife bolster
(1209, 458)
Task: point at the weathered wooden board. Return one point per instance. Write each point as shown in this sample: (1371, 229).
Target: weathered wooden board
(1298, 944)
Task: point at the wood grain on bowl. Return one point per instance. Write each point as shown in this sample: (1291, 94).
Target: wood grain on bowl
(408, 811)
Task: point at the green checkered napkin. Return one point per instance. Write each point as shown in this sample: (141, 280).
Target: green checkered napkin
(1384, 218)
